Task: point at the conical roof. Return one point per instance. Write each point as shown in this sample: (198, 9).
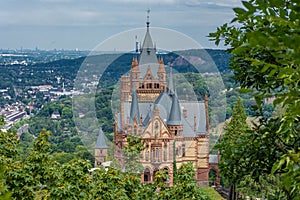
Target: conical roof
(175, 113)
(101, 142)
(171, 83)
(134, 110)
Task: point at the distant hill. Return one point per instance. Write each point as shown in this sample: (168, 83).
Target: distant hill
(66, 69)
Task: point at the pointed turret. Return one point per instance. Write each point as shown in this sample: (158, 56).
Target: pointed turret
(161, 73)
(175, 113)
(171, 83)
(100, 149)
(134, 72)
(134, 110)
(101, 142)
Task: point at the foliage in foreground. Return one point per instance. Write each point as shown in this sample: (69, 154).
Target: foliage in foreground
(38, 176)
(265, 49)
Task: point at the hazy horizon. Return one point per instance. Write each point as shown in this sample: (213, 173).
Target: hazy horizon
(83, 24)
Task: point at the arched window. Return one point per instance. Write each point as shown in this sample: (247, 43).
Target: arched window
(146, 175)
(149, 85)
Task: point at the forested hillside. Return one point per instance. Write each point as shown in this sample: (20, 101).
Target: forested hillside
(47, 73)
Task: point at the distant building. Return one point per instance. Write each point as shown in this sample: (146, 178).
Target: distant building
(100, 149)
(55, 115)
(173, 130)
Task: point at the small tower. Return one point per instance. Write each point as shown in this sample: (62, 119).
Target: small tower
(100, 149)
(174, 121)
(134, 73)
(134, 125)
(161, 73)
(171, 84)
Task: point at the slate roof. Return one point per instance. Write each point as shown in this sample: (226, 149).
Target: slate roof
(175, 112)
(134, 110)
(148, 56)
(148, 52)
(163, 103)
(101, 142)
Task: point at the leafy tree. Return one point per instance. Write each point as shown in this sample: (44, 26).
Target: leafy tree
(4, 194)
(233, 158)
(265, 49)
(132, 153)
(184, 187)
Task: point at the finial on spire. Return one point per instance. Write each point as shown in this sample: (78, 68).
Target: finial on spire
(148, 22)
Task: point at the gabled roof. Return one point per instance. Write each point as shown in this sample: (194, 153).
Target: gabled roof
(101, 142)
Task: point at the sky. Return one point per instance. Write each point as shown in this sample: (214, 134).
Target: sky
(83, 24)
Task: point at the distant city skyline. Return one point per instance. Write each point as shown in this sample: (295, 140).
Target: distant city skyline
(83, 24)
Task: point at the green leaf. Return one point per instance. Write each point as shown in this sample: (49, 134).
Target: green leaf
(239, 11)
(249, 6)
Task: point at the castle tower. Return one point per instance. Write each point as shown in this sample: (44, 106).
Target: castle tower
(100, 149)
(161, 73)
(174, 121)
(135, 73)
(134, 125)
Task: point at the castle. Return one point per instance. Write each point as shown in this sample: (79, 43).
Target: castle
(172, 129)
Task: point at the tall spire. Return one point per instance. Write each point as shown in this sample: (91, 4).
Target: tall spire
(136, 45)
(171, 83)
(148, 52)
(134, 110)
